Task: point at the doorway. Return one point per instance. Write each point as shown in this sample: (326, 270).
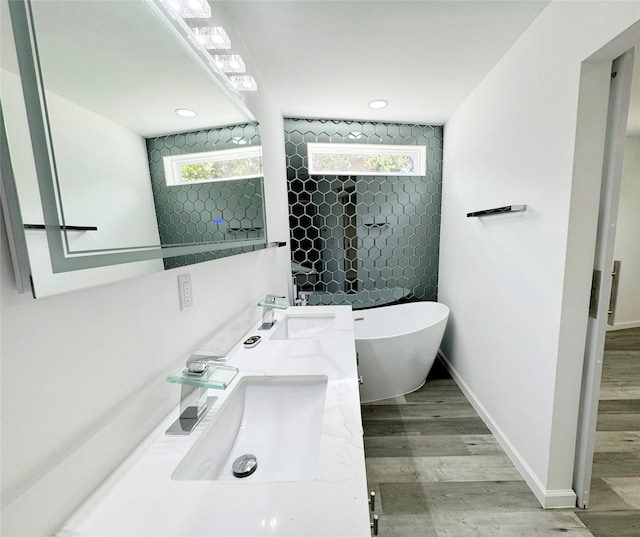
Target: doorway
(599, 312)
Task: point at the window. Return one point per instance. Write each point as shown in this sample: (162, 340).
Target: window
(210, 166)
(366, 159)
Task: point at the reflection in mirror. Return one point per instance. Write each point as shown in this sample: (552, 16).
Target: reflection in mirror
(204, 207)
(98, 109)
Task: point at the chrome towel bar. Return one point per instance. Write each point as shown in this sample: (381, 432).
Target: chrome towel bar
(499, 210)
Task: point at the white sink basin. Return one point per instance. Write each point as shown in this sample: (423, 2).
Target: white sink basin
(276, 418)
(303, 326)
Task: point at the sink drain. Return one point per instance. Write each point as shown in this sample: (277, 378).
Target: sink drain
(244, 465)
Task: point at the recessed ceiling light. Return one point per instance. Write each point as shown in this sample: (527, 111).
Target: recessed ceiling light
(185, 112)
(378, 103)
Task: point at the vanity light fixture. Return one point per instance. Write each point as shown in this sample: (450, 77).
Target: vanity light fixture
(378, 104)
(212, 37)
(229, 63)
(202, 39)
(191, 9)
(244, 83)
(185, 112)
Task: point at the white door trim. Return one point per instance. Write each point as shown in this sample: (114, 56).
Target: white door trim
(619, 96)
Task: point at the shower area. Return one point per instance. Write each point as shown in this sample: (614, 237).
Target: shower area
(363, 240)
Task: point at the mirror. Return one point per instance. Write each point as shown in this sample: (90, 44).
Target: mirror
(89, 105)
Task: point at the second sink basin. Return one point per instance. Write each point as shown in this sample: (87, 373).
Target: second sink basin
(276, 418)
(303, 326)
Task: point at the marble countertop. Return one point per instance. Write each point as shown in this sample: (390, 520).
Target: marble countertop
(141, 499)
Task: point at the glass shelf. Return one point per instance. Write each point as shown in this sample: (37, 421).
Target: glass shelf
(275, 305)
(217, 377)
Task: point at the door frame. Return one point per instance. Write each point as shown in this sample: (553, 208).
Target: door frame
(618, 98)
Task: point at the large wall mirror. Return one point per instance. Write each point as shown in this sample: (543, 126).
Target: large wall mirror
(89, 98)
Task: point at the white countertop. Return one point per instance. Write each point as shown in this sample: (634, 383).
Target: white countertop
(141, 499)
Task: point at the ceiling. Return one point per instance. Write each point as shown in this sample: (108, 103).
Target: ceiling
(318, 58)
(329, 59)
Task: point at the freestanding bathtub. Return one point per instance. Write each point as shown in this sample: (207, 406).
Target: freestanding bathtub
(397, 346)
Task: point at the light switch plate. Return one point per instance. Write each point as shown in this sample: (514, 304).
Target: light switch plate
(184, 291)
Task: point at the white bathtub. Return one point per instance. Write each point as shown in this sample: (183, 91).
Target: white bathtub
(397, 346)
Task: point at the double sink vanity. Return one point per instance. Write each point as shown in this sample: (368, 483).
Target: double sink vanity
(294, 407)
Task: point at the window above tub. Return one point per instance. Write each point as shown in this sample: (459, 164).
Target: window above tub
(366, 159)
(210, 166)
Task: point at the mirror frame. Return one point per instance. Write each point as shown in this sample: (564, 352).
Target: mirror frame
(44, 160)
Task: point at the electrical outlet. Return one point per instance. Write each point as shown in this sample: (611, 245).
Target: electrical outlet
(184, 291)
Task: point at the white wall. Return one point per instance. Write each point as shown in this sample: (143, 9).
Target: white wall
(514, 283)
(627, 246)
(104, 178)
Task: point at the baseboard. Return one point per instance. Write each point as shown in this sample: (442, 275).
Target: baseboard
(549, 499)
(623, 326)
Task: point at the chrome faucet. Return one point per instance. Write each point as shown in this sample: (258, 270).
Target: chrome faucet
(194, 399)
(194, 404)
(199, 363)
(303, 299)
(268, 315)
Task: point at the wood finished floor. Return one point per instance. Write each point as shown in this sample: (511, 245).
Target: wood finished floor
(438, 471)
(614, 508)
